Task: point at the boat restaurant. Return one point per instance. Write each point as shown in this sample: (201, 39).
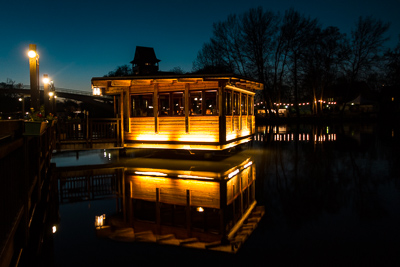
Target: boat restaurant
(188, 111)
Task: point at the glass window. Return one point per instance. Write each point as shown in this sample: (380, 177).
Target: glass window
(250, 106)
(163, 105)
(178, 104)
(244, 104)
(235, 103)
(195, 104)
(211, 102)
(228, 102)
(142, 105)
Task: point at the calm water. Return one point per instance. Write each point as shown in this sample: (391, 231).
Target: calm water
(331, 195)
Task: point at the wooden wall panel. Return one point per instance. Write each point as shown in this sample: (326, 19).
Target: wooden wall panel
(173, 191)
(140, 126)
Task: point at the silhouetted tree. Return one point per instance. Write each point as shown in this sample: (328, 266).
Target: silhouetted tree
(228, 39)
(392, 66)
(322, 62)
(367, 39)
(124, 70)
(177, 70)
(299, 33)
(210, 60)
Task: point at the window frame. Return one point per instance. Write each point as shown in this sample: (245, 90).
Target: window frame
(133, 104)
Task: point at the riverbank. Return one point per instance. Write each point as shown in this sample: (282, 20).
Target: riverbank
(328, 118)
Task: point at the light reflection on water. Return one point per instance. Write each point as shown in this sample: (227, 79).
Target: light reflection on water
(85, 157)
(332, 202)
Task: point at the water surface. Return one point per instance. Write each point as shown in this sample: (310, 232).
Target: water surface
(331, 195)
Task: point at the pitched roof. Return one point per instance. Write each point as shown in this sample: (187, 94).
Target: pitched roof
(145, 55)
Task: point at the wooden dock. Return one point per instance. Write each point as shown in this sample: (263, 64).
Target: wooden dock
(235, 239)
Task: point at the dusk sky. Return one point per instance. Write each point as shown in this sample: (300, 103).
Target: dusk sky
(78, 40)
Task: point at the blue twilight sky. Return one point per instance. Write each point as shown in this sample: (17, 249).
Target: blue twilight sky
(78, 40)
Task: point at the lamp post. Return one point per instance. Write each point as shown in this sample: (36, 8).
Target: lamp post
(34, 76)
(46, 95)
(22, 99)
(52, 94)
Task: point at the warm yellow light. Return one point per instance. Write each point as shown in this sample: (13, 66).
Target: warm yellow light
(99, 221)
(54, 229)
(151, 173)
(194, 177)
(46, 80)
(233, 173)
(51, 94)
(96, 91)
(200, 209)
(32, 54)
(248, 164)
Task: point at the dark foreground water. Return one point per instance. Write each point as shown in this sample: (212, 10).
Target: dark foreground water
(331, 195)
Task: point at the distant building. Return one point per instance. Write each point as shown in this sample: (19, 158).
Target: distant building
(145, 61)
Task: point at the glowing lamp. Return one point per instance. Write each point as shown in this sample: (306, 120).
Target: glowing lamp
(96, 91)
(200, 209)
(99, 221)
(46, 80)
(233, 173)
(51, 94)
(32, 54)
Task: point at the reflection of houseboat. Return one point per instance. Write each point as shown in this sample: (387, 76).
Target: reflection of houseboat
(208, 201)
(191, 111)
(209, 204)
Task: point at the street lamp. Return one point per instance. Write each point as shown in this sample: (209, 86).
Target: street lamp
(46, 81)
(34, 76)
(52, 94)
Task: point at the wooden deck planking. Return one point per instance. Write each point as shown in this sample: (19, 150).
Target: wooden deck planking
(232, 246)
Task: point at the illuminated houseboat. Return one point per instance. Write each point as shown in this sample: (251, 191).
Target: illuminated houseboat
(191, 111)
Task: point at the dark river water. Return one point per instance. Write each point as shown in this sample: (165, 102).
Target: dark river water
(331, 196)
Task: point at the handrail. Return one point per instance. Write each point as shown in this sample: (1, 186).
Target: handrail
(58, 89)
(91, 130)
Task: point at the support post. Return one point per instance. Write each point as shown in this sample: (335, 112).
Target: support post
(46, 94)
(188, 213)
(187, 87)
(223, 211)
(34, 78)
(158, 211)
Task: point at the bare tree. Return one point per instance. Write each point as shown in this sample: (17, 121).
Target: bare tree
(210, 60)
(124, 70)
(392, 65)
(228, 38)
(367, 39)
(259, 31)
(322, 62)
(298, 33)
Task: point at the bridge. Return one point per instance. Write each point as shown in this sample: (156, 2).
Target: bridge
(78, 95)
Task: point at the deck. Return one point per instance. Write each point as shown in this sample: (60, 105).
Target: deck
(236, 239)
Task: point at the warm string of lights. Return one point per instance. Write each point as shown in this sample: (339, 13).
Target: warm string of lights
(301, 137)
(286, 105)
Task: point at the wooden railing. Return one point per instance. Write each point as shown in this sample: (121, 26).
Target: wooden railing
(90, 132)
(81, 184)
(25, 174)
